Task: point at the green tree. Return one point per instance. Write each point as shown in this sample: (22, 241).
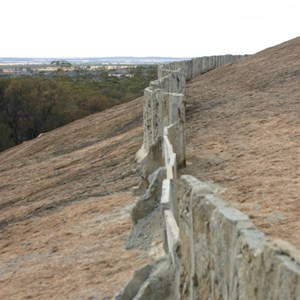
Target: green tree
(29, 103)
(5, 137)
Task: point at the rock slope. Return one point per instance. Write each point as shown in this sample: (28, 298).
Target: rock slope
(243, 132)
(66, 197)
(65, 209)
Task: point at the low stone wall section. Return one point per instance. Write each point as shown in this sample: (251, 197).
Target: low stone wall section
(164, 99)
(223, 255)
(216, 251)
(169, 192)
(162, 109)
(196, 66)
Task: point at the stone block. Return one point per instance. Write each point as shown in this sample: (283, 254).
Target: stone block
(166, 195)
(151, 199)
(163, 98)
(152, 160)
(282, 273)
(159, 284)
(172, 233)
(168, 149)
(224, 256)
(177, 83)
(134, 285)
(164, 83)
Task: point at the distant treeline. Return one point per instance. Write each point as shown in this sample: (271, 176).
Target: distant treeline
(32, 105)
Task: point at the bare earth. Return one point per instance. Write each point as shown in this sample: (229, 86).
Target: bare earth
(243, 132)
(65, 197)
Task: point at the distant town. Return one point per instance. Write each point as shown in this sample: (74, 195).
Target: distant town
(15, 67)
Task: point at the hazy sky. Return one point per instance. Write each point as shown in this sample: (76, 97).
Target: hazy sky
(187, 28)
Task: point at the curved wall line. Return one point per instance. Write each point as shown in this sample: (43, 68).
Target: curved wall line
(216, 251)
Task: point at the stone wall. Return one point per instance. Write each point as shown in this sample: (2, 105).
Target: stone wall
(223, 255)
(165, 99)
(215, 250)
(196, 66)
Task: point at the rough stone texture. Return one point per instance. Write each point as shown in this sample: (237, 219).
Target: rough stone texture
(150, 117)
(164, 102)
(223, 256)
(196, 66)
(134, 285)
(218, 253)
(153, 160)
(150, 200)
(172, 231)
(185, 66)
(169, 112)
(171, 163)
(151, 282)
(243, 130)
(148, 234)
(166, 195)
(177, 118)
(159, 285)
(164, 105)
(177, 83)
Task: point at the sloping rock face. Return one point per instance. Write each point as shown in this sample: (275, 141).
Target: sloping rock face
(66, 197)
(65, 206)
(243, 132)
(215, 251)
(150, 283)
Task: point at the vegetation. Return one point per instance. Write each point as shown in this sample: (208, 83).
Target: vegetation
(32, 105)
(61, 63)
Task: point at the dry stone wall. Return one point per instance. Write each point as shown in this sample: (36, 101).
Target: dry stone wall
(214, 250)
(164, 102)
(223, 255)
(196, 66)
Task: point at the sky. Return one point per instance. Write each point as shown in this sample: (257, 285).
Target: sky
(104, 28)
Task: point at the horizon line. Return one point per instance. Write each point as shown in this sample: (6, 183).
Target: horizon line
(80, 57)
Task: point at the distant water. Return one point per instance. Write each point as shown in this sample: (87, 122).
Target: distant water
(89, 60)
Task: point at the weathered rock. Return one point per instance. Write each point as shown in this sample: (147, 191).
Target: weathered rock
(153, 160)
(177, 82)
(151, 199)
(152, 282)
(134, 285)
(148, 234)
(159, 285)
(151, 117)
(223, 256)
(141, 187)
(216, 251)
(196, 66)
